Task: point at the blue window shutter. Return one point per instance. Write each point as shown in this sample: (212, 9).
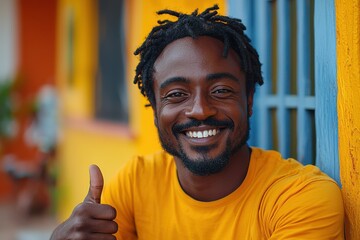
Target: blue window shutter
(256, 16)
(327, 157)
(305, 63)
(289, 109)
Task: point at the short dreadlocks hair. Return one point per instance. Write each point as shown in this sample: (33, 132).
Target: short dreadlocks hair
(208, 23)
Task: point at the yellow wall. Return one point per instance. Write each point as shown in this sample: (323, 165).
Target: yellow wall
(84, 140)
(76, 92)
(348, 62)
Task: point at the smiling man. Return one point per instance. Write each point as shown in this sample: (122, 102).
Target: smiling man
(201, 105)
(199, 74)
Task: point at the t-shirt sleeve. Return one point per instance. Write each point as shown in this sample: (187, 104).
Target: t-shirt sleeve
(312, 210)
(119, 194)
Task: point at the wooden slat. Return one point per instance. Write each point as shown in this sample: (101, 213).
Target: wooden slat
(262, 25)
(245, 11)
(283, 67)
(304, 133)
(326, 89)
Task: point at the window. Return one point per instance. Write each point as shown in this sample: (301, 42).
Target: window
(284, 110)
(111, 88)
(295, 110)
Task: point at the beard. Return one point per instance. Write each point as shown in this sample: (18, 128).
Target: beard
(204, 165)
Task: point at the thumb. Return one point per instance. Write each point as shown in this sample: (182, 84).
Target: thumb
(96, 185)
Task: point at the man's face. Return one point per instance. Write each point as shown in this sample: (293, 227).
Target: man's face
(201, 104)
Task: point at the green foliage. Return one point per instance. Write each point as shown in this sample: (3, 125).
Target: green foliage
(6, 109)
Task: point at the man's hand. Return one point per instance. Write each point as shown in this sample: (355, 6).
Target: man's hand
(90, 219)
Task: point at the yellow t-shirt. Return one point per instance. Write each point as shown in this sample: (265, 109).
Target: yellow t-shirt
(279, 199)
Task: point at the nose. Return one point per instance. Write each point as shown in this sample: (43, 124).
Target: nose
(200, 108)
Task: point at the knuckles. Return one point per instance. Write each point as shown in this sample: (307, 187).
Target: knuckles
(88, 218)
(109, 211)
(79, 218)
(79, 224)
(113, 227)
(81, 236)
(95, 210)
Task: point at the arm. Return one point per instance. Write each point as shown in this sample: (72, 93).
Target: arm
(90, 219)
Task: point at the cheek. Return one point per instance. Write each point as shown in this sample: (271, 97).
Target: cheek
(238, 115)
(166, 118)
(237, 112)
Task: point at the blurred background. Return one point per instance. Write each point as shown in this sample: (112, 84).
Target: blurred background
(67, 98)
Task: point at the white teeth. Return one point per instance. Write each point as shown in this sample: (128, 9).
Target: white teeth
(202, 134)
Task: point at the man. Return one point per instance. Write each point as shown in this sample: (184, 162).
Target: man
(199, 74)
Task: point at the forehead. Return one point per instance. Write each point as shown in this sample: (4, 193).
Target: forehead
(195, 58)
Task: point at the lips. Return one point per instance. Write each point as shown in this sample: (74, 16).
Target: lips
(202, 129)
(202, 134)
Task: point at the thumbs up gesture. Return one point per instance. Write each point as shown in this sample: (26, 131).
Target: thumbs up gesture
(90, 219)
(96, 185)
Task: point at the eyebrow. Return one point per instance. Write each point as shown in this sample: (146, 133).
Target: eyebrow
(169, 81)
(216, 76)
(209, 77)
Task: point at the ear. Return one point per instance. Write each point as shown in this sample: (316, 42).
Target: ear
(250, 102)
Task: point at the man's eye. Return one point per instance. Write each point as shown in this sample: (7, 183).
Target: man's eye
(175, 95)
(221, 91)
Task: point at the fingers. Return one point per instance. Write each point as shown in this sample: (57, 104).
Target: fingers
(82, 224)
(87, 210)
(103, 226)
(96, 185)
(89, 221)
(96, 236)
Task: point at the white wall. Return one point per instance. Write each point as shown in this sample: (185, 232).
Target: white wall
(8, 39)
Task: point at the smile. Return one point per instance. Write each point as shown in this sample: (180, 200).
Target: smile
(202, 134)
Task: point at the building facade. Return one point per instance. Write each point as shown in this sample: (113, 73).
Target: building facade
(307, 108)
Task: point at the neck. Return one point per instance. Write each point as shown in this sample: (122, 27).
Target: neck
(215, 186)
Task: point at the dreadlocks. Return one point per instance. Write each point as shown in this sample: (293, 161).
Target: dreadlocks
(208, 23)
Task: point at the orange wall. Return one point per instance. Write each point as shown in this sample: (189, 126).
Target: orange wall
(37, 42)
(37, 22)
(37, 28)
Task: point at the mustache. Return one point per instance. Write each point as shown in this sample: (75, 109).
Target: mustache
(195, 123)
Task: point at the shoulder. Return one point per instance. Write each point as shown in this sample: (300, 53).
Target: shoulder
(149, 164)
(307, 207)
(139, 174)
(289, 177)
(142, 168)
(298, 199)
(278, 169)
